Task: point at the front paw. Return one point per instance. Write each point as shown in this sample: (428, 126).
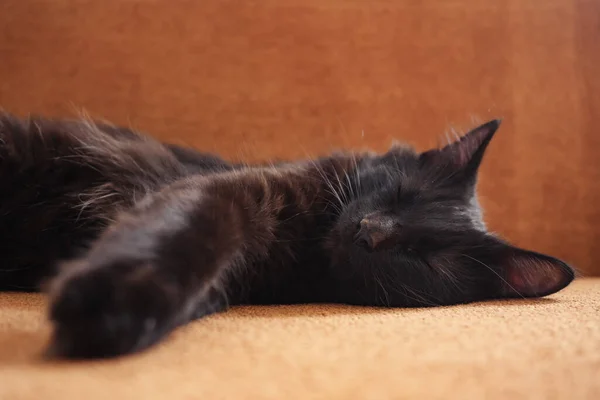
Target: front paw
(110, 310)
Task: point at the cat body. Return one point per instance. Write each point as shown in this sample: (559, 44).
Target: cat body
(132, 237)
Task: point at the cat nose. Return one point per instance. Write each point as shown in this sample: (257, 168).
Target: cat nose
(369, 235)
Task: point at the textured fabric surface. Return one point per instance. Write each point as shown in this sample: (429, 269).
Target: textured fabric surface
(533, 349)
(285, 78)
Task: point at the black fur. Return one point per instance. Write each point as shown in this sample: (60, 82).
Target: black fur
(149, 236)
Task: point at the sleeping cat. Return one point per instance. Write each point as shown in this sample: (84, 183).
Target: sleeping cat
(132, 238)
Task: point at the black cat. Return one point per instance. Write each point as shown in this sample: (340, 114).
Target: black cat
(155, 235)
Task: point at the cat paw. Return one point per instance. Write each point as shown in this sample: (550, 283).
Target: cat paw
(109, 311)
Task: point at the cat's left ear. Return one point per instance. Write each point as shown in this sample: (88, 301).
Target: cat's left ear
(464, 155)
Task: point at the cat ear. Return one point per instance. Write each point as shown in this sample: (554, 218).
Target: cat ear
(524, 273)
(466, 153)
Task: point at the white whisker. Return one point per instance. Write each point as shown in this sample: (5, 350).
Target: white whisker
(497, 274)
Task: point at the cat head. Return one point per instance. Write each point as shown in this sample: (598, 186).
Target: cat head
(413, 234)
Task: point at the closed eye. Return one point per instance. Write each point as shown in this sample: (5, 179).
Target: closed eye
(416, 255)
(405, 250)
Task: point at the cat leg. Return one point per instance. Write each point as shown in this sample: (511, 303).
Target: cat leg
(158, 266)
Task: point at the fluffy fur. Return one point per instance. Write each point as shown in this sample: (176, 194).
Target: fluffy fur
(134, 237)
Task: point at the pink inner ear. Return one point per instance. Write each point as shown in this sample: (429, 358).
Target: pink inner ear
(463, 150)
(531, 276)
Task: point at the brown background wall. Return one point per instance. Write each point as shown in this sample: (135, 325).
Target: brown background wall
(286, 78)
